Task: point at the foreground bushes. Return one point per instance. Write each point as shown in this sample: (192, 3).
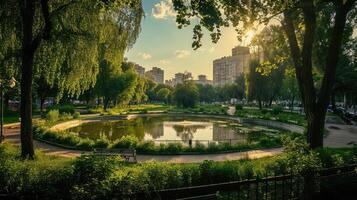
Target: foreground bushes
(95, 177)
(72, 140)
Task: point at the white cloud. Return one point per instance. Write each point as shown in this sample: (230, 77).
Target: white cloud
(182, 53)
(145, 56)
(163, 10)
(164, 62)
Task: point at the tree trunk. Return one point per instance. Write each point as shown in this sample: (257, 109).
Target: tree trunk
(333, 102)
(292, 103)
(315, 106)
(260, 104)
(315, 128)
(27, 150)
(42, 102)
(106, 103)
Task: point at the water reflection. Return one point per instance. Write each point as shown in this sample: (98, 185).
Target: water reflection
(165, 128)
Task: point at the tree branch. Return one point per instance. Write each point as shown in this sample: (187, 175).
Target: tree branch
(294, 48)
(334, 51)
(308, 8)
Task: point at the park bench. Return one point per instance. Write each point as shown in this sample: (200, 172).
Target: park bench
(129, 155)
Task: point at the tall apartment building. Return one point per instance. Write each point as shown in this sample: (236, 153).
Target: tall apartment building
(140, 70)
(227, 69)
(179, 78)
(155, 74)
(202, 79)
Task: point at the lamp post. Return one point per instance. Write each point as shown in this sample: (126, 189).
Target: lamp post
(12, 83)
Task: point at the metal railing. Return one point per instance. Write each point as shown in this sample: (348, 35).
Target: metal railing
(340, 182)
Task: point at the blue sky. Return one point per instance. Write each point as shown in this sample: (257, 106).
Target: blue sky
(162, 44)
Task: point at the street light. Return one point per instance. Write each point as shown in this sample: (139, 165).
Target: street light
(11, 84)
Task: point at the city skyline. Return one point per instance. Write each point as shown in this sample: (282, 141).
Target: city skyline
(161, 44)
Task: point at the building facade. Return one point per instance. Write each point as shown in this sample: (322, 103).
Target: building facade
(227, 69)
(179, 78)
(155, 74)
(140, 70)
(202, 79)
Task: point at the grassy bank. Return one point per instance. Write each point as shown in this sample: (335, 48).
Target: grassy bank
(255, 140)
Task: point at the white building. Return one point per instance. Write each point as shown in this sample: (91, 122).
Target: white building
(155, 74)
(227, 69)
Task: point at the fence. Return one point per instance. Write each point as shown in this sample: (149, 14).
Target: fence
(193, 143)
(333, 183)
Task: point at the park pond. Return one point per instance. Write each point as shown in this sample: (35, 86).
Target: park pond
(168, 129)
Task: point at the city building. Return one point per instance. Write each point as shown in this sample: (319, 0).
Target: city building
(140, 70)
(179, 78)
(202, 79)
(227, 69)
(155, 74)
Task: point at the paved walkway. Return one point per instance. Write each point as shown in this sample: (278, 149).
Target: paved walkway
(339, 135)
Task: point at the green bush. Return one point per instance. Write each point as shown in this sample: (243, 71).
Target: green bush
(174, 148)
(76, 115)
(66, 108)
(127, 141)
(102, 143)
(65, 116)
(239, 107)
(52, 116)
(277, 110)
(85, 144)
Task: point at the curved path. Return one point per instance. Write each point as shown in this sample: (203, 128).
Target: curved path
(338, 136)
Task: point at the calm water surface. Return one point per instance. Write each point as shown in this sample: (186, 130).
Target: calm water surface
(161, 128)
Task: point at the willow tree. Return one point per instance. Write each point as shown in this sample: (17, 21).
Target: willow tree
(299, 20)
(62, 38)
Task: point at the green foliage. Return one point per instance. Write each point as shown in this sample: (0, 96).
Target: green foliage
(127, 141)
(66, 108)
(277, 110)
(65, 116)
(239, 107)
(300, 158)
(164, 95)
(52, 116)
(105, 176)
(76, 115)
(255, 141)
(186, 94)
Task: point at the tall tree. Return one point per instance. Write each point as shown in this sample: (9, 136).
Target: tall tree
(76, 27)
(186, 94)
(299, 18)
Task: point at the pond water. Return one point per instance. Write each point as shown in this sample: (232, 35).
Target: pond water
(172, 128)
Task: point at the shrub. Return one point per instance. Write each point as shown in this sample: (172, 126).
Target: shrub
(277, 110)
(66, 108)
(85, 144)
(174, 148)
(65, 116)
(52, 116)
(76, 115)
(239, 107)
(264, 111)
(146, 146)
(127, 141)
(101, 143)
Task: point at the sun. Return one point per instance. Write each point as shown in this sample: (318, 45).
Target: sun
(248, 36)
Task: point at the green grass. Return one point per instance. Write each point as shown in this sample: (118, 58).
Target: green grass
(287, 117)
(142, 108)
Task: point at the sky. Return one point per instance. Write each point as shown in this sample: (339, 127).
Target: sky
(162, 44)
